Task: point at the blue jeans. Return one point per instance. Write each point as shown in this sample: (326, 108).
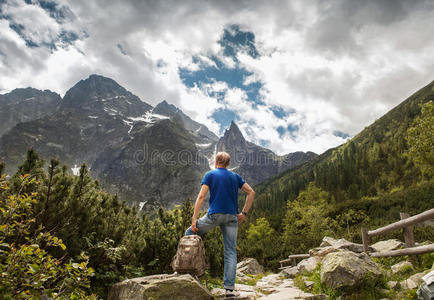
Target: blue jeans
(229, 225)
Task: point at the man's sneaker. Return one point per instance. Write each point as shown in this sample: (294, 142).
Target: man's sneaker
(231, 293)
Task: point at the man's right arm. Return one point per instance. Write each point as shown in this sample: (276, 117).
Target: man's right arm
(199, 201)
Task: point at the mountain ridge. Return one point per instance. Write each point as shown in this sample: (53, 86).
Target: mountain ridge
(103, 124)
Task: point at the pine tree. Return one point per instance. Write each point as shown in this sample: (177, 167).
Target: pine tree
(186, 213)
(33, 165)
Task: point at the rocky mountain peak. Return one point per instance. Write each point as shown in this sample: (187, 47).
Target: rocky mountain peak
(25, 104)
(26, 94)
(166, 109)
(201, 132)
(95, 86)
(234, 133)
(99, 94)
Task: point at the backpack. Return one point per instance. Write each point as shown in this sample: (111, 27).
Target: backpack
(190, 256)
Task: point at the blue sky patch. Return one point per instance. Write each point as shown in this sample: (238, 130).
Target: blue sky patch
(281, 130)
(280, 112)
(233, 41)
(60, 13)
(224, 117)
(291, 129)
(341, 134)
(264, 143)
(121, 49)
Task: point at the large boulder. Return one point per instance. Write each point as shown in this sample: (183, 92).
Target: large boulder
(346, 270)
(249, 266)
(342, 244)
(309, 264)
(162, 287)
(388, 245)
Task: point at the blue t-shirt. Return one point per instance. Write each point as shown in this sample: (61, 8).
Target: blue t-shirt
(223, 186)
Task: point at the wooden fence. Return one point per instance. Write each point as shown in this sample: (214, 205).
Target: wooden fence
(293, 259)
(406, 224)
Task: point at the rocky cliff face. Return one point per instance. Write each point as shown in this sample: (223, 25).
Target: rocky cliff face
(158, 165)
(200, 132)
(23, 105)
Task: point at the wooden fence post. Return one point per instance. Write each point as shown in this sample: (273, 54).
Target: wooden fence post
(365, 239)
(408, 232)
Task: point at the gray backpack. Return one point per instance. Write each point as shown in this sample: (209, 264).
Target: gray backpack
(190, 256)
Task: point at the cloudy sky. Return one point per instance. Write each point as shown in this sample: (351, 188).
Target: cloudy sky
(294, 75)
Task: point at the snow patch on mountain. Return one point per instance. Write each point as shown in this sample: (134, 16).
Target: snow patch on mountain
(148, 117)
(203, 145)
(75, 170)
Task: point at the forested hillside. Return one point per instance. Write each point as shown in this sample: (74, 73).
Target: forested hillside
(365, 182)
(373, 163)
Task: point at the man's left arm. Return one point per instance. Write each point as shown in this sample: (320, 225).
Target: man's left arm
(198, 205)
(246, 188)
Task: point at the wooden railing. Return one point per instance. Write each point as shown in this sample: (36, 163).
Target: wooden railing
(293, 259)
(407, 224)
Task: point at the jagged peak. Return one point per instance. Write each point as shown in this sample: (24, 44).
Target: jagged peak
(166, 108)
(102, 93)
(97, 81)
(234, 129)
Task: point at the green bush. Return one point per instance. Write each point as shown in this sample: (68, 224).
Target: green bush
(27, 270)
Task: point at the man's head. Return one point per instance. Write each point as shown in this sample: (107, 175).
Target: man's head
(222, 159)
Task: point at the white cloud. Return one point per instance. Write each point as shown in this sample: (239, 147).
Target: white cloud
(338, 64)
(37, 25)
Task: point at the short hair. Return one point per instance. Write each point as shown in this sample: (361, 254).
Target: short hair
(222, 159)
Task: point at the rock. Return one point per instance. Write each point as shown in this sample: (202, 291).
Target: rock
(250, 266)
(163, 286)
(242, 277)
(308, 264)
(322, 251)
(343, 244)
(388, 245)
(391, 284)
(346, 269)
(290, 272)
(402, 267)
(269, 280)
(218, 292)
(291, 293)
(308, 283)
(413, 281)
(409, 284)
(246, 291)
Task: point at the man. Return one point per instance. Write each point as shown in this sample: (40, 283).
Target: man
(223, 211)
